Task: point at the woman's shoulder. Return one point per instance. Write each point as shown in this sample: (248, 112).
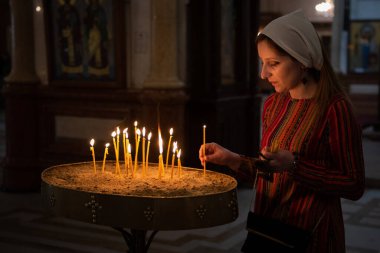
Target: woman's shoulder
(338, 100)
(338, 104)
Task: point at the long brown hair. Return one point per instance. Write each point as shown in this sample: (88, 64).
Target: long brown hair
(329, 85)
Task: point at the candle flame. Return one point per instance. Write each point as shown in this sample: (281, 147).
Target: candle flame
(160, 142)
(113, 134)
(125, 131)
(117, 130)
(107, 145)
(126, 135)
(138, 132)
(92, 142)
(174, 146)
(143, 132)
(171, 131)
(129, 148)
(149, 136)
(204, 126)
(135, 123)
(179, 153)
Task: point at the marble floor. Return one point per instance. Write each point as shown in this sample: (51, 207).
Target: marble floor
(25, 227)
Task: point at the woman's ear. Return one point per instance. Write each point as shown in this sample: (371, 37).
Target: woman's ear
(304, 74)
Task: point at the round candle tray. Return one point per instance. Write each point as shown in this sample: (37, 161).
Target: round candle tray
(137, 211)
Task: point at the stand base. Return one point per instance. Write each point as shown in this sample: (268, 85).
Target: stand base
(136, 239)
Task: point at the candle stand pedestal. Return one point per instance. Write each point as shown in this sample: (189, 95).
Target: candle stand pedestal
(135, 215)
(137, 240)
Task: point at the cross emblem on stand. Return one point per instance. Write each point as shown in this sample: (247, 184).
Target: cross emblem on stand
(94, 205)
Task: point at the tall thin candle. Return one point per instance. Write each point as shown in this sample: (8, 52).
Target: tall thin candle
(92, 142)
(125, 145)
(147, 152)
(138, 132)
(115, 148)
(168, 150)
(118, 150)
(129, 158)
(179, 163)
(204, 149)
(160, 161)
(143, 152)
(135, 124)
(173, 157)
(105, 156)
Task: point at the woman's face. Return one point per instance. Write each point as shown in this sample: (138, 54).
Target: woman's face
(281, 70)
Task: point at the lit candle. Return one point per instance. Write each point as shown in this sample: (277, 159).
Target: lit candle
(204, 149)
(129, 158)
(105, 156)
(143, 152)
(92, 142)
(118, 150)
(147, 152)
(135, 124)
(115, 148)
(160, 161)
(173, 157)
(179, 162)
(138, 132)
(168, 150)
(125, 146)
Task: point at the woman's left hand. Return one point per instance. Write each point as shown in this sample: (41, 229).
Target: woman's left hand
(280, 160)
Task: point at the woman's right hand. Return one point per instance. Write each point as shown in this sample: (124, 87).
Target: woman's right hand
(214, 153)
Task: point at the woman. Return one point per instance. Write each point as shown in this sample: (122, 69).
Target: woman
(311, 145)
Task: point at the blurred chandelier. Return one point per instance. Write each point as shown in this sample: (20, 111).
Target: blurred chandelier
(325, 8)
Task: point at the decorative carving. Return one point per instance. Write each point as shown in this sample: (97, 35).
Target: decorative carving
(149, 213)
(233, 205)
(52, 200)
(94, 205)
(201, 211)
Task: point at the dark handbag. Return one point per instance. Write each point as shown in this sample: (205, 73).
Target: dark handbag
(269, 235)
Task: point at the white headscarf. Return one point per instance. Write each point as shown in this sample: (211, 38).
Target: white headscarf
(296, 35)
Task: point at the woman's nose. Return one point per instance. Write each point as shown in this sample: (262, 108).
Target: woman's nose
(264, 74)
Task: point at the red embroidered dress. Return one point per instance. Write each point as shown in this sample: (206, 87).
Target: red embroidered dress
(330, 167)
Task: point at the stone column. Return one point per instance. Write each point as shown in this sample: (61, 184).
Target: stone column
(164, 65)
(163, 90)
(23, 70)
(339, 38)
(20, 165)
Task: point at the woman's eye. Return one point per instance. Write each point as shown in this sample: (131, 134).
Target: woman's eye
(273, 64)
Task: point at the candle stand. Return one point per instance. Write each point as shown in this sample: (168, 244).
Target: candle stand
(138, 218)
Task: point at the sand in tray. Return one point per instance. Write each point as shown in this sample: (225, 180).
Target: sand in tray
(191, 182)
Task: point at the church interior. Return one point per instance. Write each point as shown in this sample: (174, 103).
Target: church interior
(161, 64)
